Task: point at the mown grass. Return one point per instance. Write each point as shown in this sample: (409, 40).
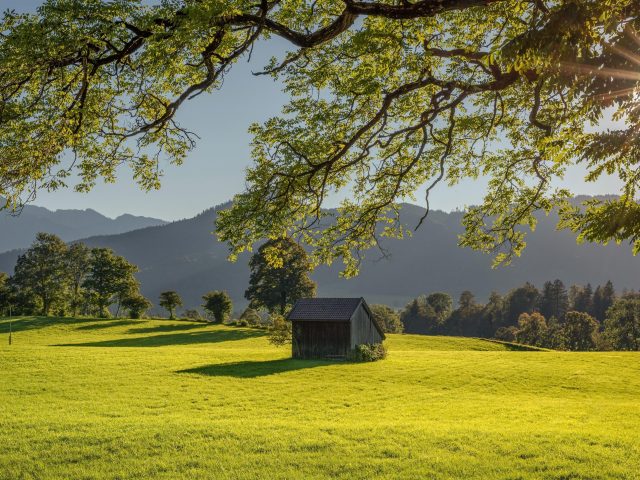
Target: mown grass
(136, 399)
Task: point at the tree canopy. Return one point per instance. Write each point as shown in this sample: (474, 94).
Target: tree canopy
(169, 300)
(279, 276)
(136, 304)
(41, 270)
(387, 318)
(388, 99)
(110, 279)
(218, 304)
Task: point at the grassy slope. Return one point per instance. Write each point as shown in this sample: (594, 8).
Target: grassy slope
(159, 399)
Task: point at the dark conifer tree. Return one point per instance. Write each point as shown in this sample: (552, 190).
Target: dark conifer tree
(554, 301)
(603, 298)
(521, 300)
(583, 301)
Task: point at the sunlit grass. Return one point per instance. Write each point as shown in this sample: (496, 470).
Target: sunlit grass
(136, 399)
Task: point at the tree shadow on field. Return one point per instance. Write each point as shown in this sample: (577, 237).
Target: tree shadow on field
(517, 347)
(21, 324)
(167, 328)
(253, 369)
(187, 338)
(103, 324)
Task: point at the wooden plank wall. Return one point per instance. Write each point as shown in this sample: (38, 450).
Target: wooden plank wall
(362, 328)
(320, 339)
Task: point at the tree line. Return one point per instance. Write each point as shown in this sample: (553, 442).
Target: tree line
(577, 318)
(52, 277)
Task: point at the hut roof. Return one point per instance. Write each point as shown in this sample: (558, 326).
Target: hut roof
(338, 309)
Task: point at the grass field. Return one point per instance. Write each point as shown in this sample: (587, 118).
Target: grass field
(136, 399)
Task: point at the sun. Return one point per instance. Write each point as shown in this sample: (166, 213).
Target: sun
(614, 69)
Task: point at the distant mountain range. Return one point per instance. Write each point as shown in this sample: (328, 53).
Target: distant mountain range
(185, 256)
(19, 230)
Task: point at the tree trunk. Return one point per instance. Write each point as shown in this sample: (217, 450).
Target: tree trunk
(74, 303)
(283, 302)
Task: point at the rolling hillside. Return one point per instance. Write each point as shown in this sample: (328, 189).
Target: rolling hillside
(186, 256)
(18, 231)
(136, 399)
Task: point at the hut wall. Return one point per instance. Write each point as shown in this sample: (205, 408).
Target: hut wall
(363, 329)
(320, 339)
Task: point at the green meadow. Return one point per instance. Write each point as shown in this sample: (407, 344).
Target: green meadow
(142, 399)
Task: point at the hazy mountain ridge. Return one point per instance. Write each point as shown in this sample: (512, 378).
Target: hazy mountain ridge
(18, 231)
(185, 256)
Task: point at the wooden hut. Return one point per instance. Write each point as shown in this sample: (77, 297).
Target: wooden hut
(332, 327)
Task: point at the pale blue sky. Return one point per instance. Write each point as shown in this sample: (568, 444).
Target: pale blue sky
(214, 170)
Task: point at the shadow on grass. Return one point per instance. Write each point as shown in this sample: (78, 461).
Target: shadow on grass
(102, 324)
(188, 338)
(167, 328)
(21, 324)
(253, 369)
(517, 347)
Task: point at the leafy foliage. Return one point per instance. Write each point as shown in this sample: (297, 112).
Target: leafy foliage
(532, 329)
(110, 278)
(384, 96)
(280, 331)
(41, 270)
(75, 279)
(251, 316)
(5, 293)
(218, 304)
(387, 318)
(170, 300)
(579, 331)
(279, 276)
(581, 298)
(575, 330)
(370, 352)
(622, 326)
(78, 265)
(136, 305)
(470, 318)
(521, 300)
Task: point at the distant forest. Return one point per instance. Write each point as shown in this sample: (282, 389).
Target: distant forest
(575, 318)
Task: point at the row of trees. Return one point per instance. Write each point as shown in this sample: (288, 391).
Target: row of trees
(52, 277)
(217, 304)
(279, 277)
(578, 318)
(580, 331)
(435, 313)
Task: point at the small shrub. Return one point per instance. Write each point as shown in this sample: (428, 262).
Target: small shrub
(369, 352)
(218, 305)
(251, 316)
(506, 334)
(280, 331)
(242, 323)
(193, 315)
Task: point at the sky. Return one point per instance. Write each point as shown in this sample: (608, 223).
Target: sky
(214, 170)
